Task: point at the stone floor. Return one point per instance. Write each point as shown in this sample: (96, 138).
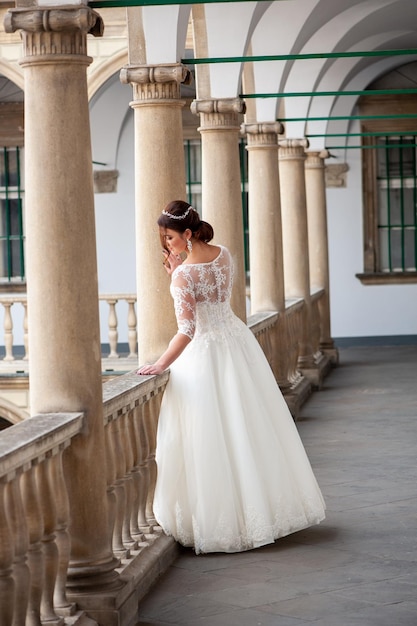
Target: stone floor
(359, 567)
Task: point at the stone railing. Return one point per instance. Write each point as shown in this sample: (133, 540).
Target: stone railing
(34, 517)
(34, 507)
(15, 323)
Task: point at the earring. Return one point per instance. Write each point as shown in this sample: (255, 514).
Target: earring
(189, 246)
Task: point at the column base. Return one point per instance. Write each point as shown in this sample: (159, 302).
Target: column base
(329, 349)
(137, 575)
(297, 395)
(317, 372)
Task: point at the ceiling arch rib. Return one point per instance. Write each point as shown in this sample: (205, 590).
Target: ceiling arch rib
(228, 28)
(343, 67)
(345, 105)
(271, 37)
(304, 74)
(165, 32)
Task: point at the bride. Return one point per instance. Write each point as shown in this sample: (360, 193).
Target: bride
(232, 471)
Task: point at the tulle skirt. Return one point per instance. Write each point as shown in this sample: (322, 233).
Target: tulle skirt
(232, 471)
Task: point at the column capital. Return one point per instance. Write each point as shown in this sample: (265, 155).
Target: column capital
(292, 149)
(262, 135)
(155, 82)
(219, 114)
(54, 31)
(315, 159)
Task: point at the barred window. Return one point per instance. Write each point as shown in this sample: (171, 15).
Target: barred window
(12, 266)
(397, 227)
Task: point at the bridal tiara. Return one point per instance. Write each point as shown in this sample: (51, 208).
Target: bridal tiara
(178, 217)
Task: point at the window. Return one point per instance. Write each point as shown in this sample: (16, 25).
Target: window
(389, 161)
(397, 232)
(192, 153)
(12, 267)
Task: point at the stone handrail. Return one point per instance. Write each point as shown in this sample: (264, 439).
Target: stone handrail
(9, 304)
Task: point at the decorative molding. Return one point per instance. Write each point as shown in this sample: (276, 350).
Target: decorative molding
(54, 19)
(105, 181)
(336, 174)
(387, 278)
(262, 135)
(156, 82)
(54, 31)
(221, 114)
(315, 160)
(292, 149)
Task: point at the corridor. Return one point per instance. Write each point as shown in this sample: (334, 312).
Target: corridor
(359, 567)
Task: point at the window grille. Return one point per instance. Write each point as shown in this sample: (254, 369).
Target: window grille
(397, 203)
(12, 267)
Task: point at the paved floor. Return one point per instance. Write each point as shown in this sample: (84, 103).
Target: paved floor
(359, 567)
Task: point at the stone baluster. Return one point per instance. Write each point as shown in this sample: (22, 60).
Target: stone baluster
(25, 331)
(19, 531)
(7, 586)
(134, 438)
(143, 418)
(318, 244)
(132, 326)
(159, 156)
(221, 182)
(118, 546)
(21, 573)
(111, 490)
(8, 331)
(65, 374)
(151, 426)
(113, 334)
(128, 540)
(50, 549)
(59, 490)
(34, 517)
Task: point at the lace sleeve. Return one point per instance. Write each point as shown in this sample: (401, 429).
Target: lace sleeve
(182, 289)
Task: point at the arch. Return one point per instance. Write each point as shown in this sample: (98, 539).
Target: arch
(11, 413)
(106, 70)
(12, 72)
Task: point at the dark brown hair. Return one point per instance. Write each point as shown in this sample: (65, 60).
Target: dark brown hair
(172, 217)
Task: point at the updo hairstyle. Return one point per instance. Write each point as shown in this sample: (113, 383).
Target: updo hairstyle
(179, 215)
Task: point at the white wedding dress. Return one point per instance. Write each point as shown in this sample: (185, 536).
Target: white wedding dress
(232, 471)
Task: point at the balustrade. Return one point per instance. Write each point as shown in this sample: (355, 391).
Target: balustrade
(34, 507)
(34, 519)
(15, 312)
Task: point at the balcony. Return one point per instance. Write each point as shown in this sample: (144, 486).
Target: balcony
(38, 578)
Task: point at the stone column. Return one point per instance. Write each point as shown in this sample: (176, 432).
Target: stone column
(267, 291)
(318, 244)
(221, 183)
(159, 178)
(64, 341)
(295, 245)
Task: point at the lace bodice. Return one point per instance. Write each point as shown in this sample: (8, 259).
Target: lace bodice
(201, 293)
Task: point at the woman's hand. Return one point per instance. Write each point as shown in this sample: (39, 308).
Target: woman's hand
(171, 261)
(148, 370)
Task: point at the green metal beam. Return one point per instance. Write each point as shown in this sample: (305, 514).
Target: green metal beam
(299, 57)
(374, 147)
(367, 134)
(102, 4)
(355, 92)
(407, 116)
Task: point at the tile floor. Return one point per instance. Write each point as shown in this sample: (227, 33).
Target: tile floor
(357, 568)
